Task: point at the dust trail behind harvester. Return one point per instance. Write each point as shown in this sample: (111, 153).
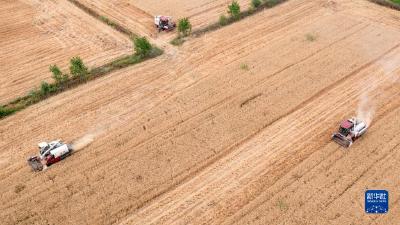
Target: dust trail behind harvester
(366, 106)
(388, 65)
(88, 138)
(366, 109)
(83, 141)
(92, 134)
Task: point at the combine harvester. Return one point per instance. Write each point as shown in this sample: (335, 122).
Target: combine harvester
(49, 153)
(349, 131)
(164, 23)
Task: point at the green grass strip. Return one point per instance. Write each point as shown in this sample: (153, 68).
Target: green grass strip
(393, 4)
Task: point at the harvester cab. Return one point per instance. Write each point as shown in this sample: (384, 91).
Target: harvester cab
(349, 131)
(49, 153)
(164, 23)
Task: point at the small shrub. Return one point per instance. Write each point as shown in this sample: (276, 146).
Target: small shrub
(34, 96)
(310, 37)
(184, 27)
(104, 19)
(272, 3)
(282, 205)
(142, 46)
(46, 88)
(177, 41)
(65, 78)
(58, 76)
(19, 188)
(78, 68)
(244, 66)
(223, 20)
(255, 3)
(234, 10)
(6, 111)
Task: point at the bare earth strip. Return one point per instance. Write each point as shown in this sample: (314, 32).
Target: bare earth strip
(35, 34)
(191, 138)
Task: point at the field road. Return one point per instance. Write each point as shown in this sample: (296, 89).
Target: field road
(230, 128)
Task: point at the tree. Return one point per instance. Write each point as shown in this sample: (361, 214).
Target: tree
(142, 46)
(256, 3)
(78, 68)
(46, 88)
(234, 10)
(223, 20)
(184, 27)
(58, 76)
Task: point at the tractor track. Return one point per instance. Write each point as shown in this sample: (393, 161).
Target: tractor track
(229, 149)
(326, 168)
(196, 190)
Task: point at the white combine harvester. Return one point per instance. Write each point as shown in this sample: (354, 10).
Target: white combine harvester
(349, 131)
(49, 153)
(164, 23)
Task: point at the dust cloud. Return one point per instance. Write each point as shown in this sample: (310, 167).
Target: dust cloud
(388, 66)
(83, 142)
(88, 138)
(366, 109)
(92, 134)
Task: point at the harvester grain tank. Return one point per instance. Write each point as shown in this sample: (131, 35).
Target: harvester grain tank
(349, 131)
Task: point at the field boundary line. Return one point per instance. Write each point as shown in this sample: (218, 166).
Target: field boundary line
(116, 26)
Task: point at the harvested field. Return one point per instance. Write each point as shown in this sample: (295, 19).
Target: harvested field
(196, 137)
(125, 13)
(35, 34)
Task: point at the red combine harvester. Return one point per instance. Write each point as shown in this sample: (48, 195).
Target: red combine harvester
(164, 23)
(349, 131)
(49, 153)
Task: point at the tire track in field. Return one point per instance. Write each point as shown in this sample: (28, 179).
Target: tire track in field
(230, 97)
(212, 160)
(209, 179)
(116, 181)
(388, 97)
